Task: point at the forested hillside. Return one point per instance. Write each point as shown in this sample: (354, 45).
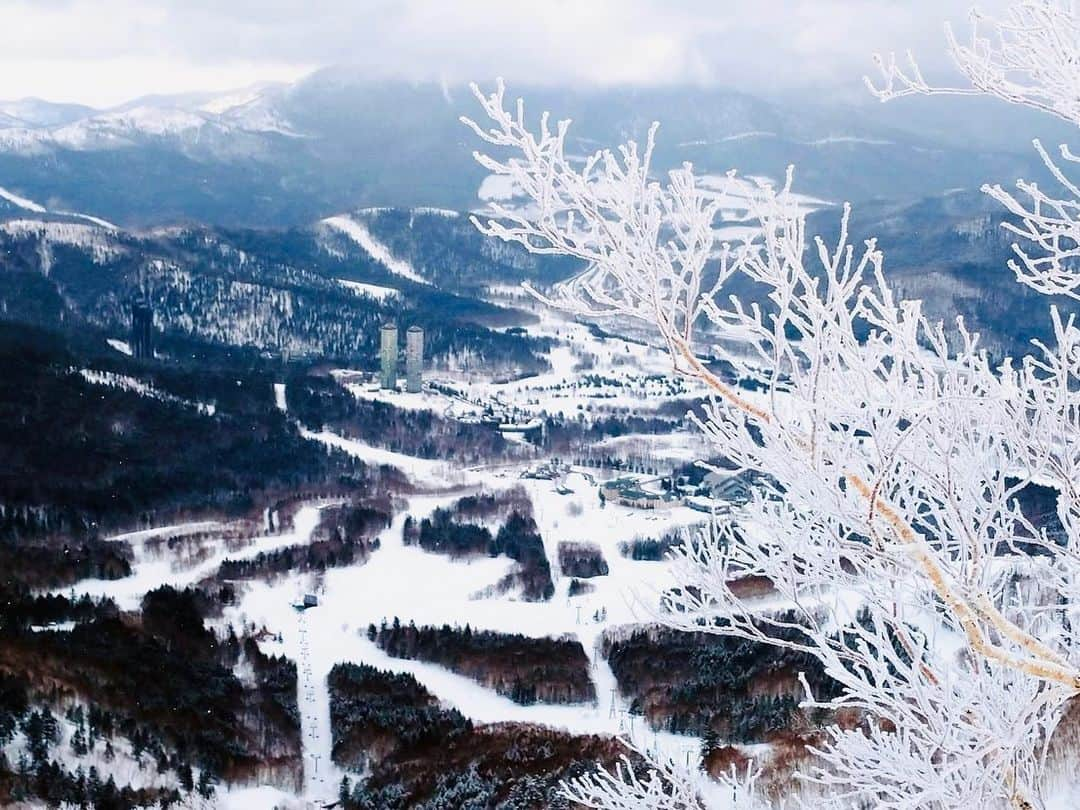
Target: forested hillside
(79, 457)
(280, 293)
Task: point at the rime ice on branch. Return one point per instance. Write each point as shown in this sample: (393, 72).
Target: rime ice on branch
(1030, 57)
(894, 451)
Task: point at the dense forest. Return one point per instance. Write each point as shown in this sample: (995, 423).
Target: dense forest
(346, 535)
(653, 549)
(568, 434)
(420, 755)
(721, 687)
(581, 560)
(159, 681)
(453, 254)
(79, 457)
(526, 670)
(278, 292)
(487, 506)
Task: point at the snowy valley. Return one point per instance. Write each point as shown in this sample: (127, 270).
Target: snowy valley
(344, 466)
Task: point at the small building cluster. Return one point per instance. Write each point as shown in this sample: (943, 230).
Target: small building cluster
(632, 492)
(552, 470)
(718, 492)
(389, 354)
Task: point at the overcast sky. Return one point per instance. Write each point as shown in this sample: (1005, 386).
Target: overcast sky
(103, 52)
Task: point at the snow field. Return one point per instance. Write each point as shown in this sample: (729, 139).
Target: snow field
(430, 589)
(150, 571)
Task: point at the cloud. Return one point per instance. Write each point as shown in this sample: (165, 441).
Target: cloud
(106, 51)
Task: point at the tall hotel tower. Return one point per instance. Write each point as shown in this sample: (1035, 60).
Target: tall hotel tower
(388, 355)
(414, 359)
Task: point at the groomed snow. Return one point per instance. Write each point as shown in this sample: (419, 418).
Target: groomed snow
(37, 208)
(379, 293)
(359, 233)
(150, 571)
(409, 583)
(21, 202)
(126, 383)
(121, 346)
(104, 223)
(422, 470)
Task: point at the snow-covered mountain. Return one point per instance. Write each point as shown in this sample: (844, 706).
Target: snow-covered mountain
(221, 124)
(36, 112)
(276, 154)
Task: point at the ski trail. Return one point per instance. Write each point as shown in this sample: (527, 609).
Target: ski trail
(321, 777)
(37, 208)
(360, 234)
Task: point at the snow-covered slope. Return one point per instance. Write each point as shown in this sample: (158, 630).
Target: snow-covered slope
(337, 140)
(28, 130)
(37, 208)
(359, 233)
(95, 239)
(21, 202)
(36, 112)
(379, 293)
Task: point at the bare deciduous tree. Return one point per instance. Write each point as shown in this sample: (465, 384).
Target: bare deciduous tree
(1030, 57)
(893, 453)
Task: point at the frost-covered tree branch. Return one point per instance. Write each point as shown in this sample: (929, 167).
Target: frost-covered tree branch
(1028, 57)
(893, 453)
(1031, 57)
(665, 786)
(1048, 230)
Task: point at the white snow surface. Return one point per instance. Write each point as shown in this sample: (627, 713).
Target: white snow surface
(387, 585)
(21, 202)
(231, 101)
(497, 187)
(449, 213)
(423, 470)
(414, 585)
(453, 590)
(38, 208)
(96, 240)
(376, 291)
(151, 570)
(359, 233)
(251, 110)
(104, 223)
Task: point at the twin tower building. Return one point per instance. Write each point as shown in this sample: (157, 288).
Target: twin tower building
(414, 357)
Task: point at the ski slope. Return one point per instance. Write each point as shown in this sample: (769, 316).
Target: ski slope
(21, 202)
(37, 208)
(414, 585)
(359, 233)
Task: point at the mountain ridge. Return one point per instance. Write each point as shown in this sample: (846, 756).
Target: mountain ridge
(279, 155)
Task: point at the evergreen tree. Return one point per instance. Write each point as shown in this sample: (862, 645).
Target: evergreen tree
(78, 742)
(710, 741)
(187, 781)
(206, 784)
